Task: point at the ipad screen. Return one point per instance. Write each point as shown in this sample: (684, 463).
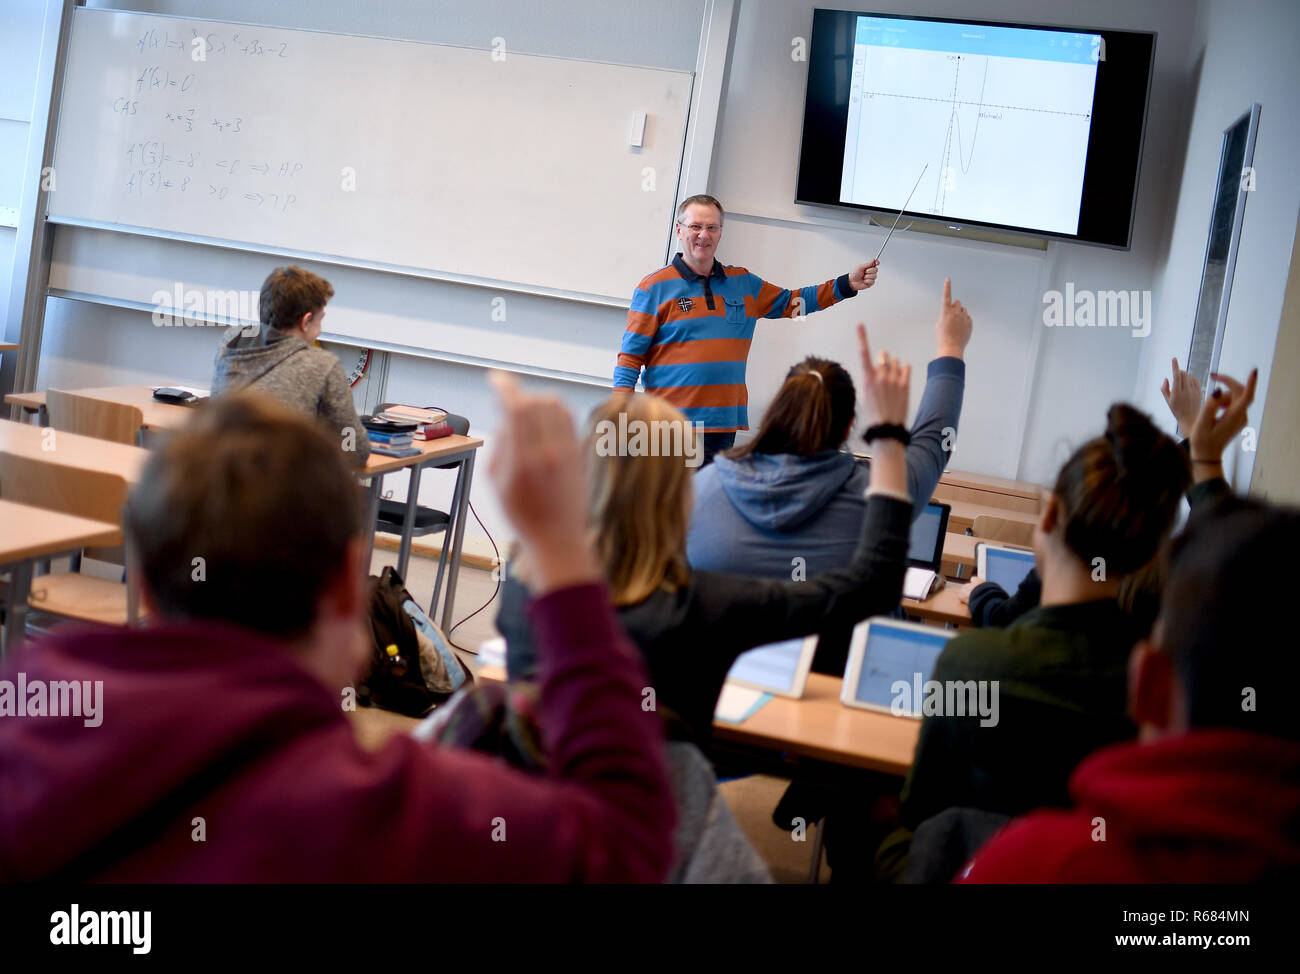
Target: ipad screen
(892, 655)
(773, 666)
(1008, 568)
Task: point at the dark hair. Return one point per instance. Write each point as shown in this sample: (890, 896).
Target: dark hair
(1120, 492)
(810, 413)
(1221, 639)
(264, 497)
(700, 199)
(288, 293)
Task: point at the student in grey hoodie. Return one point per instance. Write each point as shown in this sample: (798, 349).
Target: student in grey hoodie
(790, 492)
(280, 360)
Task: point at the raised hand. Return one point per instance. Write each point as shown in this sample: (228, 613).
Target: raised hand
(537, 466)
(1220, 419)
(864, 275)
(885, 391)
(1183, 394)
(953, 329)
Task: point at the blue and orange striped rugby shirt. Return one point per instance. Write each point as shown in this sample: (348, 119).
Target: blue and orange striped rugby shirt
(692, 335)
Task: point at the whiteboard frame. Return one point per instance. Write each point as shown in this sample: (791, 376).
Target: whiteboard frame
(32, 270)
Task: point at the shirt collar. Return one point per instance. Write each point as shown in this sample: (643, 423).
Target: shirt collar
(684, 269)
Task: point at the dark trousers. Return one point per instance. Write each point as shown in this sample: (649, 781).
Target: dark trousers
(715, 443)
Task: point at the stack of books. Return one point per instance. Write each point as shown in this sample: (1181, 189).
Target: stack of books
(429, 424)
(389, 438)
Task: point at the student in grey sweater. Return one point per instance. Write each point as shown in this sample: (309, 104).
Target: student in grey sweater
(791, 493)
(280, 360)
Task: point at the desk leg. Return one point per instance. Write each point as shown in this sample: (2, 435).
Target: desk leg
(463, 481)
(815, 874)
(408, 526)
(20, 586)
(446, 537)
(372, 517)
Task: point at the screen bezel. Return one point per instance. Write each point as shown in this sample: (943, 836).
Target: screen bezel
(981, 556)
(1096, 227)
(858, 653)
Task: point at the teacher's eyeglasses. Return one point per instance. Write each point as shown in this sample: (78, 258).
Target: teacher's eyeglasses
(712, 228)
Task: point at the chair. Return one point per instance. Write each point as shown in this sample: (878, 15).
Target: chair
(86, 493)
(75, 413)
(1002, 530)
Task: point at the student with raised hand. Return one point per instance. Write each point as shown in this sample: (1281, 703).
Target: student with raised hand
(279, 358)
(1059, 669)
(691, 624)
(226, 718)
(793, 491)
(1210, 792)
(989, 603)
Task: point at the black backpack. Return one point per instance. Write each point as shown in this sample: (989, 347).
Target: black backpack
(395, 681)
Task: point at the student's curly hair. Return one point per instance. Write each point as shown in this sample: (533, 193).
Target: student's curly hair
(1120, 492)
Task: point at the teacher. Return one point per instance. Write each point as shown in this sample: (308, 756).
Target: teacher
(690, 325)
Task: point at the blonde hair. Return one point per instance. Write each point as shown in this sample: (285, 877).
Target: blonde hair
(639, 500)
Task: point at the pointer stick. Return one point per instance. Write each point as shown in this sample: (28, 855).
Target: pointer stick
(900, 212)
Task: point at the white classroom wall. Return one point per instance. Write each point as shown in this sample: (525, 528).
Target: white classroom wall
(1022, 424)
(1249, 56)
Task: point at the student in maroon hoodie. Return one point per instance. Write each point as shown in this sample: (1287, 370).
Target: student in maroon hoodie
(1211, 792)
(219, 750)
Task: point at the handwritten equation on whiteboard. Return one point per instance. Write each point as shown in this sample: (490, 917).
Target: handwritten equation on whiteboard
(168, 101)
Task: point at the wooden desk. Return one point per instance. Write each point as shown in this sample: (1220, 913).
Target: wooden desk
(964, 513)
(8, 347)
(157, 415)
(943, 607)
(31, 533)
(997, 494)
(448, 450)
(73, 450)
(823, 729)
(959, 552)
(457, 450)
(818, 727)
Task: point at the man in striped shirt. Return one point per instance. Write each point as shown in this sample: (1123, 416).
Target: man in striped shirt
(690, 325)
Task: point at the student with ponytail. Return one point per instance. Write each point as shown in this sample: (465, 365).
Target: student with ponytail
(792, 491)
(1060, 668)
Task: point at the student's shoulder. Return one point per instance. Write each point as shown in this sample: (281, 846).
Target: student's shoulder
(977, 653)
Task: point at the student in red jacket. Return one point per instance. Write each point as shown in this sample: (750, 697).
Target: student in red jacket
(1211, 791)
(213, 746)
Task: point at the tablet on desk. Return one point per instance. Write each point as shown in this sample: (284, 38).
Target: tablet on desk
(885, 652)
(777, 668)
(925, 548)
(1006, 566)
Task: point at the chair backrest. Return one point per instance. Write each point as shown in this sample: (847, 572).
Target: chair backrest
(992, 528)
(73, 413)
(71, 490)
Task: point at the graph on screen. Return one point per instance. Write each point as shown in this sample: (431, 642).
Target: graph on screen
(998, 118)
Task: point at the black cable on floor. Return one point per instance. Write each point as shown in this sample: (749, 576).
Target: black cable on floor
(495, 591)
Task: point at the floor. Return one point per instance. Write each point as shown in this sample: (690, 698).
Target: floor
(751, 798)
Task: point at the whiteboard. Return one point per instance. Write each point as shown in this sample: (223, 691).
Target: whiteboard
(486, 166)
